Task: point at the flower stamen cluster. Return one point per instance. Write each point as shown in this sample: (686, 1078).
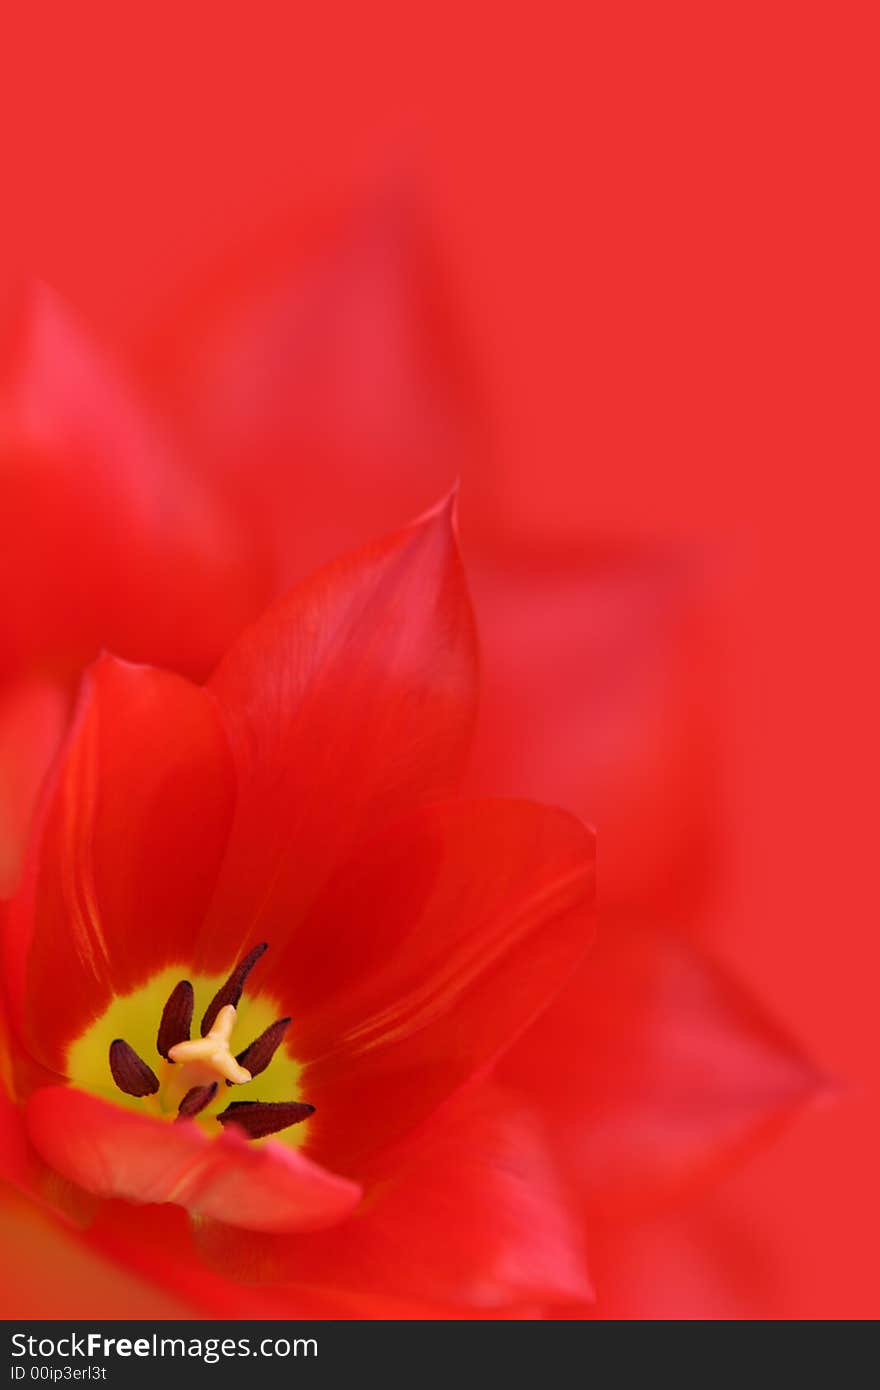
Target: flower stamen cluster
(208, 1059)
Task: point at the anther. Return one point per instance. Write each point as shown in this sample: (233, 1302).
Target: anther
(176, 1018)
(230, 992)
(196, 1098)
(261, 1117)
(131, 1075)
(258, 1054)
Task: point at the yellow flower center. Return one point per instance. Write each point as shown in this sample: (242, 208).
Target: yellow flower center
(201, 1061)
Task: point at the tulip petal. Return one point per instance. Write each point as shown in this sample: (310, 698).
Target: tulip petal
(106, 538)
(14, 1167)
(474, 1215)
(700, 1261)
(32, 715)
(159, 1243)
(340, 359)
(610, 713)
(437, 943)
(48, 1270)
(127, 853)
(349, 702)
(117, 1153)
(654, 1068)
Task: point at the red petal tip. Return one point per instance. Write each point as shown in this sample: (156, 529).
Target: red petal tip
(446, 509)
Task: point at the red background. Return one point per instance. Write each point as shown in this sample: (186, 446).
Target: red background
(658, 220)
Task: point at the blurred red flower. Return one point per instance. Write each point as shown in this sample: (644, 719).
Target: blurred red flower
(412, 941)
(297, 790)
(297, 801)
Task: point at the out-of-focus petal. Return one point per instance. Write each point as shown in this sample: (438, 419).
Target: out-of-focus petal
(473, 1216)
(159, 1244)
(695, 1262)
(327, 384)
(106, 540)
(125, 857)
(349, 702)
(14, 1162)
(597, 695)
(47, 1270)
(114, 1152)
(429, 953)
(655, 1068)
(32, 715)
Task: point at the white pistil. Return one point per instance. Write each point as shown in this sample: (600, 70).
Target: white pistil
(213, 1049)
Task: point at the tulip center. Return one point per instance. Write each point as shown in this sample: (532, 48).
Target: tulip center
(141, 1053)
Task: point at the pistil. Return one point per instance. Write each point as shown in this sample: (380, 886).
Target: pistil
(213, 1051)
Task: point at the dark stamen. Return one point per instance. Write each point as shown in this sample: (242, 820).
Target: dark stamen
(176, 1019)
(196, 1098)
(261, 1117)
(230, 993)
(131, 1075)
(258, 1054)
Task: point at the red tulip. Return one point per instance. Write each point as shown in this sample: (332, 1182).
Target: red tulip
(494, 1163)
(285, 830)
(294, 801)
(268, 874)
